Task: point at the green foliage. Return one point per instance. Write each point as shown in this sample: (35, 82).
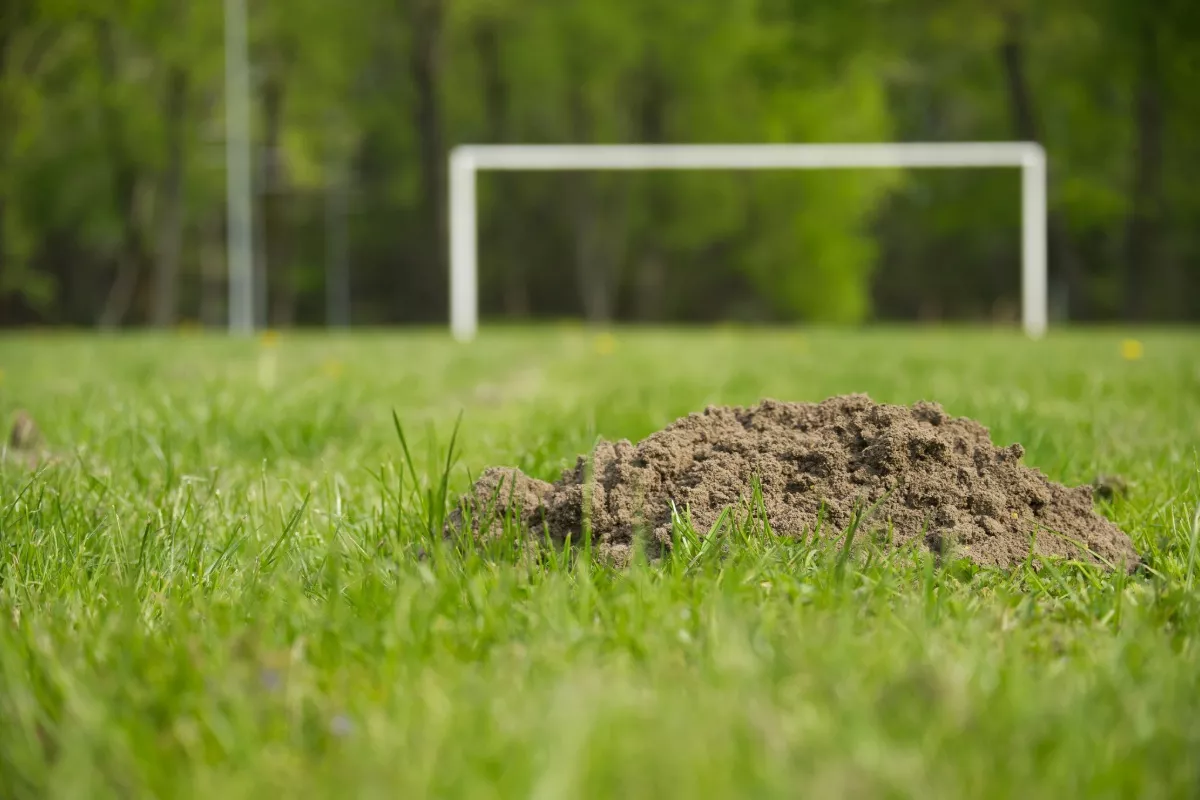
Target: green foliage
(85, 88)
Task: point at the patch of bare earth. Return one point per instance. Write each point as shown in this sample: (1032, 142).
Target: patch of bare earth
(925, 475)
(24, 441)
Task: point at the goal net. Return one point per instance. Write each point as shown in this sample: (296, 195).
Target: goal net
(467, 160)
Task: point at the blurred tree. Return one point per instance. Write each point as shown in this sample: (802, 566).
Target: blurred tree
(1026, 126)
(425, 20)
(112, 186)
(16, 281)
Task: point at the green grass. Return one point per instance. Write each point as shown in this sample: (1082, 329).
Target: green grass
(210, 586)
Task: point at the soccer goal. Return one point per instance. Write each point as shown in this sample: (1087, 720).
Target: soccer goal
(467, 160)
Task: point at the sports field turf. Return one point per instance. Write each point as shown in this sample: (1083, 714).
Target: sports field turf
(211, 582)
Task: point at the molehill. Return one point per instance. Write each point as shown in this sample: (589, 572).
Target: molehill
(927, 475)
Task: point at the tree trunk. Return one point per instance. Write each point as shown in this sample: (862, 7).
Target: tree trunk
(652, 266)
(262, 294)
(4, 277)
(587, 245)
(13, 17)
(596, 250)
(1025, 125)
(515, 291)
(170, 222)
(120, 295)
(651, 285)
(427, 19)
(1142, 250)
(213, 275)
(337, 246)
(6, 35)
(125, 190)
(280, 280)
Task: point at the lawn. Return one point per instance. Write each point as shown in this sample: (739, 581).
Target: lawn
(217, 581)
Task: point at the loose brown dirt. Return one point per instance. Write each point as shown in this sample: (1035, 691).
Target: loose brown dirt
(923, 474)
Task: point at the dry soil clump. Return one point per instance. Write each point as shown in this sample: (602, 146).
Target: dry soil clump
(927, 474)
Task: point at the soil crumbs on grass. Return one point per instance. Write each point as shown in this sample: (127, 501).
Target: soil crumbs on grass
(922, 473)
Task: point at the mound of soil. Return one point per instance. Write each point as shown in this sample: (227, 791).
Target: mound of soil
(927, 475)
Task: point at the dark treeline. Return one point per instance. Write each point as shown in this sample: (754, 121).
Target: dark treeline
(112, 187)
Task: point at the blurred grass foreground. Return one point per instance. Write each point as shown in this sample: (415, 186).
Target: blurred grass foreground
(216, 579)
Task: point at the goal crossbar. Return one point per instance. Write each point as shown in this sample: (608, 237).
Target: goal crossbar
(467, 160)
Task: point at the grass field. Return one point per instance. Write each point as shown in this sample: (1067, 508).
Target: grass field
(210, 583)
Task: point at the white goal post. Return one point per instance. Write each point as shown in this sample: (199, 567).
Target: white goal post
(467, 160)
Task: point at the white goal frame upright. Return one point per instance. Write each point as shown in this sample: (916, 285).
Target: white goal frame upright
(467, 160)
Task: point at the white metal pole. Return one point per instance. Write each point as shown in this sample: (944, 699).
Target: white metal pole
(465, 161)
(1034, 279)
(464, 309)
(240, 231)
(754, 156)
